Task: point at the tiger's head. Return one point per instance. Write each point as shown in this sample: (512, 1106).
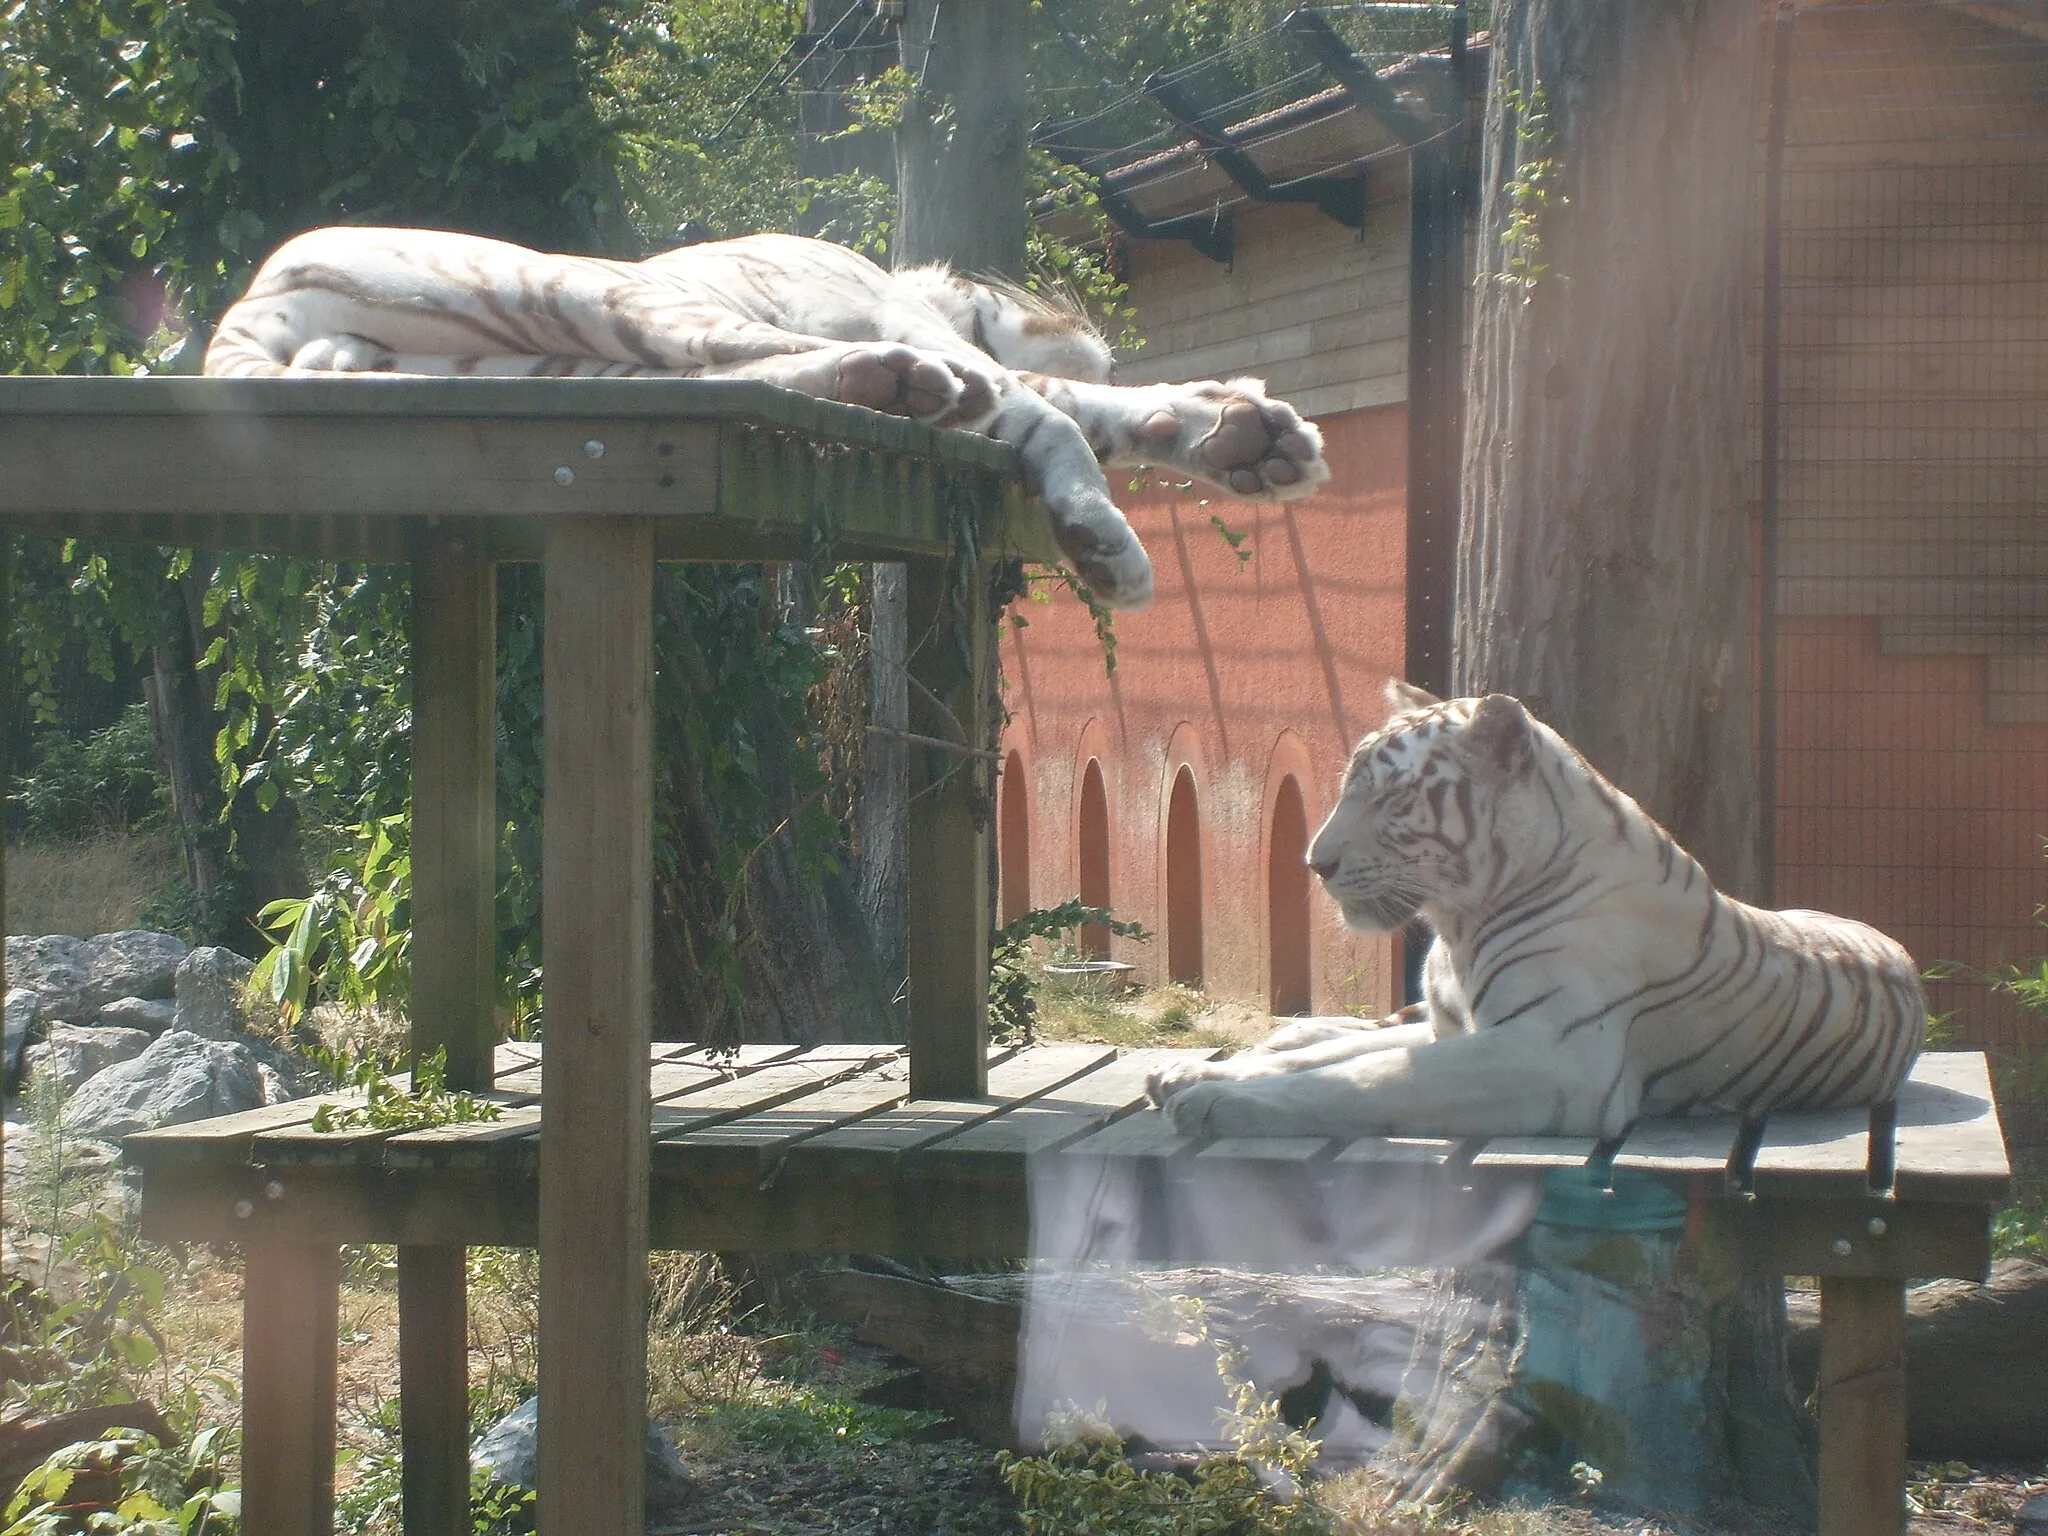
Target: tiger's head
(1419, 817)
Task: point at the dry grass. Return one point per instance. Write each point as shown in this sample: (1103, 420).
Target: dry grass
(1174, 1016)
(97, 886)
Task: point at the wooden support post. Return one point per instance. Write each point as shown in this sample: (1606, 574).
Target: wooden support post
(433, 1401)
(950, 799)
(596, 944)
(1862, 1407)
(6, 788)
(454, 587)
(291, 1301)
(454, 593)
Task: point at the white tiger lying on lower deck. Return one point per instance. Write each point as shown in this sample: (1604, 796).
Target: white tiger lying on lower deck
(804, 314)
(1585, 970)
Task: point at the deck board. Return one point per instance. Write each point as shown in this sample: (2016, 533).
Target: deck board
(1949, 1143)
(824, 1150)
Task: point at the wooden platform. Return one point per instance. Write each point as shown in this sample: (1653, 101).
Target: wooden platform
(823, 1150)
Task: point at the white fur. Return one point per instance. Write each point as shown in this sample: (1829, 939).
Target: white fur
(1585, 970)
(803, 314)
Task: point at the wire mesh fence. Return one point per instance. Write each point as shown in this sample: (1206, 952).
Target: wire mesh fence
(1910, 597)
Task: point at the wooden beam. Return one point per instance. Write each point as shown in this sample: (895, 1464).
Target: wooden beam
(1367, 90)
(291, 1302)
(596, 945)
(1862, 1407)
(433, 1401)
(454, 797)
(1341, 198)
(6, 789)
(950, 809)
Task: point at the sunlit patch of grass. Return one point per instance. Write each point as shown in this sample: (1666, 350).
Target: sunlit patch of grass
(1166, 1016)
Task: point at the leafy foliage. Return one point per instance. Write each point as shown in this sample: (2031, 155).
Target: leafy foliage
(429, 1101)
(128, 1484)
(352, 938)
(1012, 1007)
(108, 782)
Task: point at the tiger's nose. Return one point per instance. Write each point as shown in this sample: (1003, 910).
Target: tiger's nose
(1324, 868)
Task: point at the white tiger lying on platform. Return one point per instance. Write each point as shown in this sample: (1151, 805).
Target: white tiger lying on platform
(804, 314)
(1585, 970)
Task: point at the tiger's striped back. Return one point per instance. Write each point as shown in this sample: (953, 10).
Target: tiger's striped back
(1561, 907)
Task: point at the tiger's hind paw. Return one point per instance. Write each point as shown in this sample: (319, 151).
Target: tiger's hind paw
(903, 381)
(1234, 437)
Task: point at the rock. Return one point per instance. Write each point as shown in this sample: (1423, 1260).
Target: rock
(1976, 1356)
(209, 987)
(132, 963)
(20, 1016)
(507, 1452)
(2031, 1518)
(73, 1053)
(181, 1077)
(151, 1015)
(52, 967)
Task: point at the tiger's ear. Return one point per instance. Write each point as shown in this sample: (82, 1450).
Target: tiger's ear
(1500, 734)
(1400, 695)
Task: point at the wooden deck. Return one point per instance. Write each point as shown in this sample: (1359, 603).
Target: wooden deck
(824, 1150)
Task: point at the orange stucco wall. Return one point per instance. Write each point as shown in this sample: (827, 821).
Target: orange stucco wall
(1241, 672)
(1901, 803)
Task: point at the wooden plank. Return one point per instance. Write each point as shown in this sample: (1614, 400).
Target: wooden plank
(433, 1377)
(770, 1086)
(947, 882)
(1395, 1151)
(1694, 1148)
(1862, 1407)
(1868, 1237)
(1140, 1138)
(596, 946)
(996, 1151)
(301, 1146)
(454, 803)
(1950, 1146)
(1261, 1153)
(513, 1139)
(1815, 1154)
(1536, 1152)
(871, 1148)
(751, 1145)
(227, 1138)
(291, 1299)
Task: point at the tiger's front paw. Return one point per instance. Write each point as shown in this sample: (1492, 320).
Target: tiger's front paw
(1235, 438)
(1162, 1086)
(1220, 1107)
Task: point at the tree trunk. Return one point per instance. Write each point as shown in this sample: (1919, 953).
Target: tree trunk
(1604, 557)
(1603, 577)
(239, 862)
(882, 816)
(960, 148)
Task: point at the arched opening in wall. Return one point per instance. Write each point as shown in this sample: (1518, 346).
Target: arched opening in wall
(1094, 861)
(1013, 840)
(1184, 883)
(1287, 907)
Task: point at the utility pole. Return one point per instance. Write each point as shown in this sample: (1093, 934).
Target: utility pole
(960, 157)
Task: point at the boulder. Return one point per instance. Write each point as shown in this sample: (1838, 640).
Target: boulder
(209, 989)
(151, 1015)
(53, 967)
(20, 1017)
(72, 1053)
(507, 1453)
(2031, 1518)
(181, 1077)
(134, 962)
